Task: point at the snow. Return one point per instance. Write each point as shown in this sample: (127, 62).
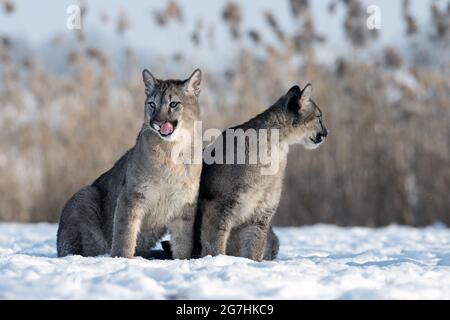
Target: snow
(315, 262)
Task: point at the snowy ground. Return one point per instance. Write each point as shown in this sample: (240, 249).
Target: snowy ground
(317, 262)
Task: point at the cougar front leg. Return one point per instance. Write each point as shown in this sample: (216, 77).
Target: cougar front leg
(147, 238)
(215, 231)
(272, 246)
(253, 240)
(127, 220)
(181, 232)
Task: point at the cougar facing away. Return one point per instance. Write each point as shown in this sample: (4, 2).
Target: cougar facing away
(236, 201)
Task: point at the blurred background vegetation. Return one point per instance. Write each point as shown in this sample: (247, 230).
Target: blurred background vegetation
(387, 159)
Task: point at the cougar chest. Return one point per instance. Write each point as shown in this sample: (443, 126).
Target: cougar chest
(169, 193)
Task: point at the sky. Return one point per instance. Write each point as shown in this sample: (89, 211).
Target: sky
(38, 21)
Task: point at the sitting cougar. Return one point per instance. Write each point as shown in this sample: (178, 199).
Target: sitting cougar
(236, 202)
(130, 207)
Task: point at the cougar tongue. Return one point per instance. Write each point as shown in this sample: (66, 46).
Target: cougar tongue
(166, 128)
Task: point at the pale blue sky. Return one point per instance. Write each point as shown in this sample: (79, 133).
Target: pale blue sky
(38, 21)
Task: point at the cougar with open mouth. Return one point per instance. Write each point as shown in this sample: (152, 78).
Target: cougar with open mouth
(130, 207)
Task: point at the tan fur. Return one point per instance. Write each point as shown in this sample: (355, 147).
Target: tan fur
(146, 193)
(236, 202)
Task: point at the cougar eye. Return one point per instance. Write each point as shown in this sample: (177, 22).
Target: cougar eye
(174, 104)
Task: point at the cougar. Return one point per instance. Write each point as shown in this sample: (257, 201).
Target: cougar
(130, 207)
(237, 202)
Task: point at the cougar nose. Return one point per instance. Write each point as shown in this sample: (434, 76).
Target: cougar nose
(321, 135)
(319, 138)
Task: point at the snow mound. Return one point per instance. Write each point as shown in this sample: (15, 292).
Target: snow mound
(315, 262)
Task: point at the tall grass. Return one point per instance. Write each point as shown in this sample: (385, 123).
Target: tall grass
(387, 158)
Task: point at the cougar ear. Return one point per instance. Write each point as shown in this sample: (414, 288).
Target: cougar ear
(149, 80)
(293, 98)
(192, 85)
(295, 90)
(306, 95)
